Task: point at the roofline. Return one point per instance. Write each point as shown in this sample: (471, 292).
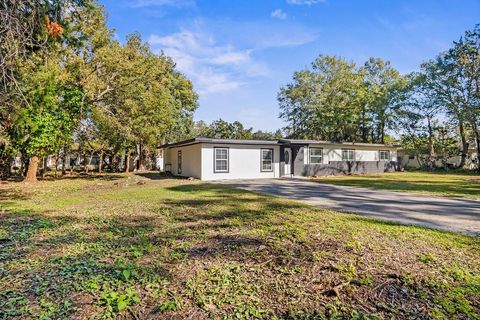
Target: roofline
(362, 144)
(219, 141)
(270, 142)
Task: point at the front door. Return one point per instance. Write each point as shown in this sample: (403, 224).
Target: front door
(288, 161)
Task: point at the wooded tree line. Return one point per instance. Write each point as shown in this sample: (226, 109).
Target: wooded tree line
(221, 129)
(435, 112)
(68, 86)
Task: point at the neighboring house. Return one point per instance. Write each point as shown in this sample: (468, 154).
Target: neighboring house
(214, 159)
(407, 160)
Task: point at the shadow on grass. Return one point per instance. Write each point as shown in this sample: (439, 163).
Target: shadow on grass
(63, 254)
(88, 177)
(12, 194)
(158, 176)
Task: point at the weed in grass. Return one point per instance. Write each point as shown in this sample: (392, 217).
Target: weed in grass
(428, 258)
(115, 302)
(172, 304)
(347, 270)
(365, 280)
(353, 245)
(3, 234)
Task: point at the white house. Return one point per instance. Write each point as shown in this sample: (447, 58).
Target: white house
(216, 159)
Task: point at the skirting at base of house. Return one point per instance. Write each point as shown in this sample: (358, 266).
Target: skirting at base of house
(347, 167)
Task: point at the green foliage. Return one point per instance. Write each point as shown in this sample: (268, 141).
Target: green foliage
(453, 79)
(115, 302)
(335, 100)
(427, 258)
(51, 110)
(221, 129)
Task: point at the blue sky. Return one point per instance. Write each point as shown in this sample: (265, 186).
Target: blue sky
(239, 53)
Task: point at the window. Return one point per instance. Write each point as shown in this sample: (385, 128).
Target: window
(266, 156)
(287, 157)
(384, 155)
(221, 160)
(316, 155)
(179, 162)
(348, 155)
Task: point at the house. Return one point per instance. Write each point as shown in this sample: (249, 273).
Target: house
(411, 161)
(215, 159)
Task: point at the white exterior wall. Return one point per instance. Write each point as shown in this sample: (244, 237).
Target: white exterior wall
(244, 162)
(191, 161)
(362, 153)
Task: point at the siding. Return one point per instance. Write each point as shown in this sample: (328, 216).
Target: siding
(244, 162)
(191, 161)
(366, 161)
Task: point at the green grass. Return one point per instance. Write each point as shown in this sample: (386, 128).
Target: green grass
(441, 184)
(110, 247)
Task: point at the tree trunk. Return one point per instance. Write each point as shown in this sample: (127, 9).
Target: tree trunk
(55, 158)
(5, 166)
(100, 162)
(465, 145)
(44, 166)
(477, 140)
(64, 160)
(110, 163)
(32, 169)
(127, 162)
(141, 164)
(25, 161)
(431, 156)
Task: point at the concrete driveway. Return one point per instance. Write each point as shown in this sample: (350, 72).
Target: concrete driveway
(451, 214)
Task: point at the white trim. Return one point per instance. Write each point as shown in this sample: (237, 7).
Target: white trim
(215, 170)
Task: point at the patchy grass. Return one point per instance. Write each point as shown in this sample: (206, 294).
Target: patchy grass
(441, 184)
(134, 247)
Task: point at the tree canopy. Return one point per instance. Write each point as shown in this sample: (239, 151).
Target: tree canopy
(83, 86)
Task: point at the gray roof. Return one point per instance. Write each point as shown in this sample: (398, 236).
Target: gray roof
(300, 141)
(268, 142)
(219, 141)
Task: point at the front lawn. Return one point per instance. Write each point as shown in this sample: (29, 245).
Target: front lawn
(142, 247)
(441, 184)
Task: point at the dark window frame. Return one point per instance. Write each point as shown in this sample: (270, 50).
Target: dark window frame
(310, 155)
(215, 160)
(389, 156)
(354, 154)
(261, 159)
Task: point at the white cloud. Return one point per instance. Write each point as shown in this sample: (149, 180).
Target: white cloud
(213, 67)
(159, 3)
(304, 2)
(279, 14)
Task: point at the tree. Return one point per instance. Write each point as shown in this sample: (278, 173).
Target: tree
(454, 77)
(335, 100)
(221, 129)
(266, 135)
(47, 116)
(25, 29)
(141, 92)
(29, 27)
(421, 101)
(324, 102)
(383, 86)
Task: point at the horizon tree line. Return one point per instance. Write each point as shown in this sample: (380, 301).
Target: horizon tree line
(68, 86)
